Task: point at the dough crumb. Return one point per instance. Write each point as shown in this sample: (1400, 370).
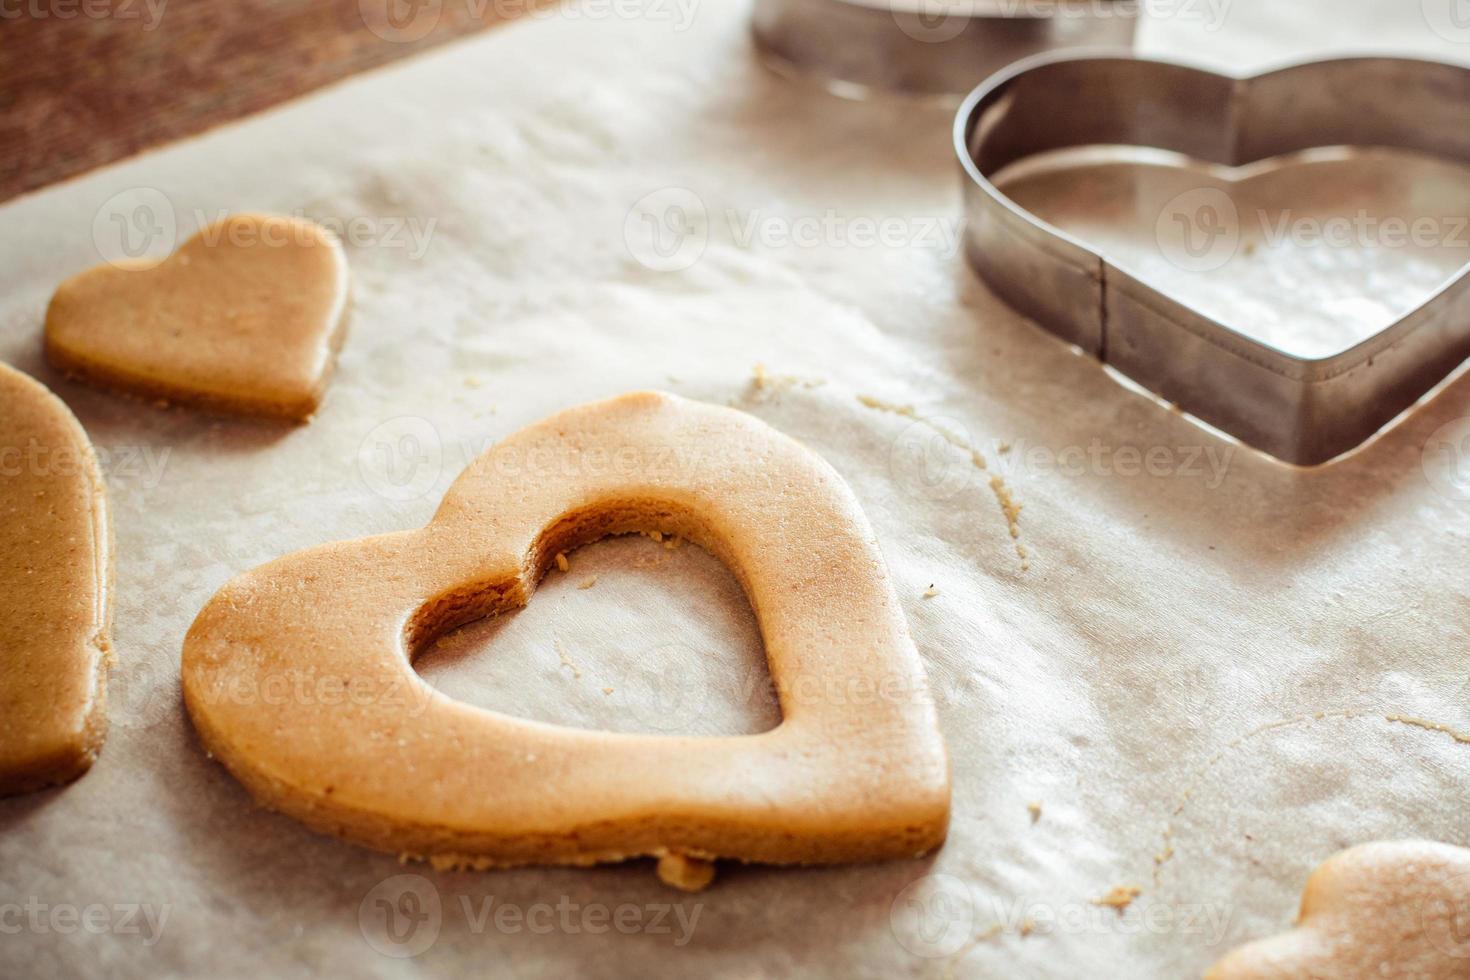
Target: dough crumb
(893, 408)
(1027, 927)
(562, 564)
(471, 382)
(673, 542)
(567, 661)
(931, 591)
(762, 380)
(1119, 898)
(1035, 810)
(1009, 506)
(1429, 726)
(607, 690)
(587, 582)
(1003, 448)
(685, 873)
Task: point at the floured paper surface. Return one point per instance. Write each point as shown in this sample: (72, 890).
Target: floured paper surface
(1135, 703)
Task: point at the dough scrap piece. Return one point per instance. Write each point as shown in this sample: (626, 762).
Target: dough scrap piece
(55, 591)
(245, 318)
(688, 874)
(856, 770)
(1385, 909)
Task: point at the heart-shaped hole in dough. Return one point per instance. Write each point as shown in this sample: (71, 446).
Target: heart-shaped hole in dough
(642, 636)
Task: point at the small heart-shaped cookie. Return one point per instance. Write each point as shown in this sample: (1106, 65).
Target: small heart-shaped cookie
(55, 591)
(245, 318)
(855, 771)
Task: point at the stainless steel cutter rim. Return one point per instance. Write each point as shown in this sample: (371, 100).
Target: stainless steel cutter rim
(1326, 365)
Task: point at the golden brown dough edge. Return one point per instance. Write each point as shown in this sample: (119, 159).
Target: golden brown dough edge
(70, 762)
(77, 365)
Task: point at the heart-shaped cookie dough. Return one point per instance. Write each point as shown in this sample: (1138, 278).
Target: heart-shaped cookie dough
(1386, 909)
(245, 318)
(1301, 409)
(856, 770)
(55, 591)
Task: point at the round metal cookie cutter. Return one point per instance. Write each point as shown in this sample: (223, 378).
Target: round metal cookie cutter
(939, 48)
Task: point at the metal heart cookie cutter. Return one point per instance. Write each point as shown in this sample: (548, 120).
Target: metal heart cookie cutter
(927, 47)
(1302, 410)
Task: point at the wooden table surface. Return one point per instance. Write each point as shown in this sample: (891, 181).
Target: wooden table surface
(87, 82)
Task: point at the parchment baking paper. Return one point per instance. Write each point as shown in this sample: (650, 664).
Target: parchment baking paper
(1185, 686)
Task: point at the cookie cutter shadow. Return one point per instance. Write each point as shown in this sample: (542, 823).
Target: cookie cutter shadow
(1265, 512)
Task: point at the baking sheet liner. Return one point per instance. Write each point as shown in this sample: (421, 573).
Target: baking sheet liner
(1150, 674)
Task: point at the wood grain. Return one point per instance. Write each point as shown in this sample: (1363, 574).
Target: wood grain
(87, 82)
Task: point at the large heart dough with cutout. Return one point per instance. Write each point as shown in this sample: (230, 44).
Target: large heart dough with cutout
(55, 591)
(245, 319)
(299, 675)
